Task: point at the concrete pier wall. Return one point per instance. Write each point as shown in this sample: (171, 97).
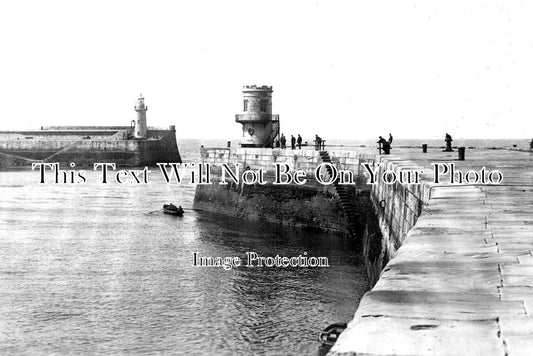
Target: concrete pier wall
(306, 160)
(296, 206)
(460, 282)
(396, 208)
(312, 205)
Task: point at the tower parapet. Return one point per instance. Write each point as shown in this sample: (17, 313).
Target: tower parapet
(259, 127)
(140, 130)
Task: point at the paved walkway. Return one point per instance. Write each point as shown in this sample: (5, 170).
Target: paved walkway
(462, 283)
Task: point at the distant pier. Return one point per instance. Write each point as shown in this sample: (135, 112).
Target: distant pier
(133, 145)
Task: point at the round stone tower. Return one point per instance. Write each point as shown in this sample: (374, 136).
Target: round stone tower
(259, 127)
(140, 128)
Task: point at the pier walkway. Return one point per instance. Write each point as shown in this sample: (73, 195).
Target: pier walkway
(462, 283)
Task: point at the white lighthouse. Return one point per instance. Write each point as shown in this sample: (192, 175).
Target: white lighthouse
(140, 128)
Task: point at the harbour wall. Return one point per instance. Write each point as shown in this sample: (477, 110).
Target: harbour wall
(304, 207)
(311, 205)
(395, 210)
(85, 147)
(461, 282)
(306, 160)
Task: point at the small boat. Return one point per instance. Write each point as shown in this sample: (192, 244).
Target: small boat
(330, 334)
(172, 209)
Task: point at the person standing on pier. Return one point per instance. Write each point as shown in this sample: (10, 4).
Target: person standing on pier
(390, 139)
(318, 143)
(293, 142)
(283, 141)
(448, 140)
(299, 142)
(383, 145)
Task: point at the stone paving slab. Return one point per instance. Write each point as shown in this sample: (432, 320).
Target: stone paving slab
(524, 294)
(502, 229)
(393, 336)
(514, 250)
(516, 326)
(517, 334)
(462, 283)
(454, 256)
(518, 241)
(484, 263)
(441, 280)
(438, 243)
(519, 345)
(516, 280)
(441, 306)
(466, 231)
(525, 260)
(517, 270)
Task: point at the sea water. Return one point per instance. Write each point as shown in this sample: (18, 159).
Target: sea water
(98, 268)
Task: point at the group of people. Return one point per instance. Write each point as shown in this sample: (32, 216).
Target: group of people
(385, 145)
(294, 141)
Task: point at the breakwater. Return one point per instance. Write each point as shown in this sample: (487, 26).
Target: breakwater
(311, 205)
(86, 145)
(395, 210)
(459, 280)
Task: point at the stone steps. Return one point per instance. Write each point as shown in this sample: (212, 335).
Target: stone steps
(347, 204)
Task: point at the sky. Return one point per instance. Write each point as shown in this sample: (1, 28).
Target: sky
(340, 69)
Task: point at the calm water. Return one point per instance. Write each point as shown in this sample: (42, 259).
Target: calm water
(91, 268)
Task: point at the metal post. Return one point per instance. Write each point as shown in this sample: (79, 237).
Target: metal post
(461, 151)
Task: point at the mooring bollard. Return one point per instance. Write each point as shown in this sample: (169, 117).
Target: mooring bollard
(461, 151)
(424, 148)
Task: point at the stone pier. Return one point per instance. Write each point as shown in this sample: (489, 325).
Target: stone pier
(459, 281)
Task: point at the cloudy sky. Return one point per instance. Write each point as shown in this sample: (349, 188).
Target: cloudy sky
(343, 69)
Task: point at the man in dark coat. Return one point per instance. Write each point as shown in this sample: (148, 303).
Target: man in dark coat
(383, 145)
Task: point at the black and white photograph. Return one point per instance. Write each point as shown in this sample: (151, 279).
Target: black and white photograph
(266, 178)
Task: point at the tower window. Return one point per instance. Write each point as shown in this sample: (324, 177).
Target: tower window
(245, 105)
(263, 105)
